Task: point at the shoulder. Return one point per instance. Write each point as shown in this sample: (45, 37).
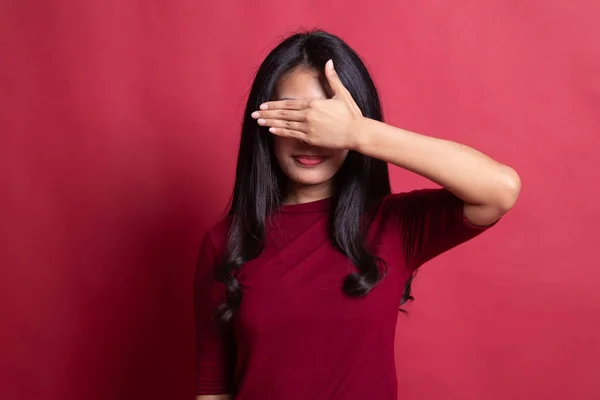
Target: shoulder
(419, 199)
(215, 237)
(420, 195)
(217, 233)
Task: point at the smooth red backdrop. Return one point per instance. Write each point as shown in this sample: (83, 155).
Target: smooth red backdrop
(119, 123)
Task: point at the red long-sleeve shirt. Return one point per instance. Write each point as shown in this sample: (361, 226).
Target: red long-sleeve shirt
(296, 334)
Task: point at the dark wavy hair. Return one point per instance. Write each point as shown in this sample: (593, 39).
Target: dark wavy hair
(359, 185)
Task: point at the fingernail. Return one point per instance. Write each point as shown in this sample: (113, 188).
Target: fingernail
(263, 106)
(261, 121)
(255, 114)
(330, 64)
(272, 130)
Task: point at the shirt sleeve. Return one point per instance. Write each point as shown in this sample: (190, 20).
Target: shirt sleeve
(432, 222)
(215, 346)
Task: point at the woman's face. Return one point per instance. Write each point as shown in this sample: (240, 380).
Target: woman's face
(305, 166)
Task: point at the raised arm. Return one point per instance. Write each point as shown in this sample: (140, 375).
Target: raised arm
(488, 188)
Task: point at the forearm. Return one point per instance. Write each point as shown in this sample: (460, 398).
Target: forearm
(467, 173)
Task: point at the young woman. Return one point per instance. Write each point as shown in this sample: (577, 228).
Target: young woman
(297, 291)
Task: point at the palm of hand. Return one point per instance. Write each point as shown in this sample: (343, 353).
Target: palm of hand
(323, 123)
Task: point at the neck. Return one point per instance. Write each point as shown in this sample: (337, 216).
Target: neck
(298, 193)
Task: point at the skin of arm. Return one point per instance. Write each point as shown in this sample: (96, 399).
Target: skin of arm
(488, 188)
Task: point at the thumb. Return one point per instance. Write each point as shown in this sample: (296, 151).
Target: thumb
(334, 80)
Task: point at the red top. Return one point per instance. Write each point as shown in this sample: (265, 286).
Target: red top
(296, 334)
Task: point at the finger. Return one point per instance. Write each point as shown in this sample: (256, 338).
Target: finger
(286, 104)
(289, 133)
(334, 80)
(289, 115)
(338, 87)
(279, 123)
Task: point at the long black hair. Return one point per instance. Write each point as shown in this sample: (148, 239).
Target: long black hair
(359, 185)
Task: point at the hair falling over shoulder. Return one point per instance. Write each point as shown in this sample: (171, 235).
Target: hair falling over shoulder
(359, 186)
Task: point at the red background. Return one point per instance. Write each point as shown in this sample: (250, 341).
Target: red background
(119, 122)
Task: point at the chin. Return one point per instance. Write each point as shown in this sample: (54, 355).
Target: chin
(310, 178)
(311, 182)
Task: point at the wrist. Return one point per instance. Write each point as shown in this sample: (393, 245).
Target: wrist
(360, 134)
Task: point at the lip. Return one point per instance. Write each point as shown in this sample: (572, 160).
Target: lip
(307, 160)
